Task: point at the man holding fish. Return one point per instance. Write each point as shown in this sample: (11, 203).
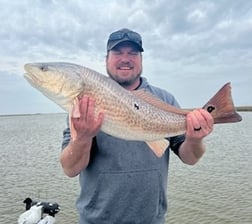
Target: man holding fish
(120, 130)
(123, 181)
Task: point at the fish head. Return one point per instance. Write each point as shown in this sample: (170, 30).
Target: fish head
(60, 82)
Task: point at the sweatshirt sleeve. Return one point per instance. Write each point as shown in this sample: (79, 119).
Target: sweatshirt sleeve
(66, 135)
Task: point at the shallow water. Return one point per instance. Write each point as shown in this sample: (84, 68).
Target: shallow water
(216, 190)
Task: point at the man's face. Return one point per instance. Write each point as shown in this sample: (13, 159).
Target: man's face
(124, 64)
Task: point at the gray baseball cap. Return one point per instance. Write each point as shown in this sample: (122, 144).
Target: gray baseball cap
(122, 35)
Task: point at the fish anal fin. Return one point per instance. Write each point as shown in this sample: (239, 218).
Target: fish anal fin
(221, 106)
(156, 102)
(159, 146)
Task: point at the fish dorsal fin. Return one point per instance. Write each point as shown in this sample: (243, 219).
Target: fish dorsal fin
(159, 146)
(156, 102)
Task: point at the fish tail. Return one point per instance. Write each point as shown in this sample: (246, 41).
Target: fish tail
(221, 106)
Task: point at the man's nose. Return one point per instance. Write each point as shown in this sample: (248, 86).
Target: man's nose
(125, 57)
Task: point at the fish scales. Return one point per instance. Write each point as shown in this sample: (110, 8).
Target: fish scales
(127, 116)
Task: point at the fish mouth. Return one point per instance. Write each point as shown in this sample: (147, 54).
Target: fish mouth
(30, 73)
(28, 67)
(30, 76)
(32, 79)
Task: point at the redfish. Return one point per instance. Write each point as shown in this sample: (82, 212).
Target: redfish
(130, 115)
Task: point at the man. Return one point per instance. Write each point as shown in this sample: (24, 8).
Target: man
(123, 181)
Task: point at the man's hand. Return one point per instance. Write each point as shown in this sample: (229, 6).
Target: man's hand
(86, 124)
(199, 123)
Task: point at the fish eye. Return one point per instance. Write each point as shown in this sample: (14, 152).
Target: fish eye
(44, 68)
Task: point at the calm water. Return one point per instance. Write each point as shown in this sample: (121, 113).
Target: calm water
(216, 190)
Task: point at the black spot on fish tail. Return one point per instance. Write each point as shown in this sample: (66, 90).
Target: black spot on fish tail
(210, 109)
(221, 106)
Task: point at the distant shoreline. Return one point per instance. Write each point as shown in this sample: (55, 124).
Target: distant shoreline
(244, 108)
(10, 115)
(240, 109)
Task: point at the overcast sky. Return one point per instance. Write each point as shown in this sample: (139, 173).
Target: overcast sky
(192, 47)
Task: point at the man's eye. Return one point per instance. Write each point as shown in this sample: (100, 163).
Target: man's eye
(133, 53)
(116, 52)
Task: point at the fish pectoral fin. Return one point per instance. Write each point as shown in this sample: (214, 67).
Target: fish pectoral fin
(73, 132)
(159, 146)
(75, 113)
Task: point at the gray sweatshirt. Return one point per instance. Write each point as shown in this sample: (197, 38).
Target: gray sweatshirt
(125, 183)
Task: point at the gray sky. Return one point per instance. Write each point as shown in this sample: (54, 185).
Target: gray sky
(192, 47)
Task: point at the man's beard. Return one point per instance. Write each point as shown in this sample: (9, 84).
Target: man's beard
(124, 82)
